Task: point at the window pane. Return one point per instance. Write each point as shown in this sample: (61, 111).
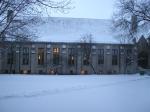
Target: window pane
(71, 57)
(101, 56)
(40, 56)
(25, 57)
(56, 57)
(114, 56)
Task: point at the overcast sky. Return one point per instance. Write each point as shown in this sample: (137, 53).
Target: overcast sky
(98, 9)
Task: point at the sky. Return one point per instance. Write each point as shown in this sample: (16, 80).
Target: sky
(97, 9)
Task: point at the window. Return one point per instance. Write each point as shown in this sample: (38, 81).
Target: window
(56, 57)
(71, 57)
(40, 56)
(129, 57)
(9, 58)
(101, 56)
(114, 56)
(85, 60)
(25, 56)
(129, 51)
(71, 60)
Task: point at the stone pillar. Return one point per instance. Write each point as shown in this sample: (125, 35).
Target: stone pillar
(33, 61)
(48, 61)
(63, 56)
(122, 61)
(79, 63)
(107, 61)
(17, 59)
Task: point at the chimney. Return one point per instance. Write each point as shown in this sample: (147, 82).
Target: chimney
(134, 24)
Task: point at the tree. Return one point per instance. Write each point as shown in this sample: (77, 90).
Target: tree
(86, 47)
(15, 14)
(131, 18)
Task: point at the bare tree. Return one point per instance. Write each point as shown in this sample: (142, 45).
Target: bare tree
(86, 47)
(131, 17)
(17, 16)
(13, 12)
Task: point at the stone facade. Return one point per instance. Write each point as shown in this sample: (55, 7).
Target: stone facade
(67, 58)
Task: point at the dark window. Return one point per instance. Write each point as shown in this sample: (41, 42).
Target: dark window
(40, 56)
(114, 52)
(85, 60)
(129, 51)
(10, 59)
(114, 57)
(100, 59)
(101, 51)
(25, 57)
(56, 57)
(101, 56)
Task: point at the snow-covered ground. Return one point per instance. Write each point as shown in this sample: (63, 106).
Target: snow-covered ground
(74, 93)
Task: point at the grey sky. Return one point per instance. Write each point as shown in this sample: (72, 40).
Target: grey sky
(99, 9)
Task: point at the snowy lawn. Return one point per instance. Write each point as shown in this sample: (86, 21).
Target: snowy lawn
(80, 93)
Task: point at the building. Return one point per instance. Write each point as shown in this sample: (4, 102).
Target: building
(67, 58)
(71, 56)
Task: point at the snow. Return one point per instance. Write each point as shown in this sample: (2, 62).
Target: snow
(74, 93)
(59, 29)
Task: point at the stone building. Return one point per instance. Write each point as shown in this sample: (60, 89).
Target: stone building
(71, 57)
(67, 58)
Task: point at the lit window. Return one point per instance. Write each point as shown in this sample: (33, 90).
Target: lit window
(71, 57)
(55, 50)
(56, 57)
(41, 56)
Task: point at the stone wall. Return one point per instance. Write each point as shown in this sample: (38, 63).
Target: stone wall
(78, 68)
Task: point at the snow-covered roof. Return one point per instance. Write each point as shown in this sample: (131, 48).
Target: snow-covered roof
(57, 29)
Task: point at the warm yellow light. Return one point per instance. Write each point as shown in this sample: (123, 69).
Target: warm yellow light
(56, 50)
